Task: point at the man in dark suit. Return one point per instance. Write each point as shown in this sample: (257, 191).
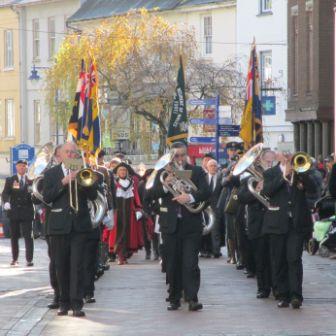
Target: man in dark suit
(19, 206)
(181, 231)
(214, 179)
(289, 226)
(68, 231)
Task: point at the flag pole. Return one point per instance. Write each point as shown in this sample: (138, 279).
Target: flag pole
(335, 84)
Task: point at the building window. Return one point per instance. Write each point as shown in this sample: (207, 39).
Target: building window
(10, 118)
(265, 6)
(9, 52)
(207, 35)
(51, 36)
(36, 39)
(310, 45)
(37, 120)
(266, 69)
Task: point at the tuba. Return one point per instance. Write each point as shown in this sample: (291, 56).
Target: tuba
(248, 163)
(181, 182)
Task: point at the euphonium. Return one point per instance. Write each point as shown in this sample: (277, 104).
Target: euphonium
(247, 163)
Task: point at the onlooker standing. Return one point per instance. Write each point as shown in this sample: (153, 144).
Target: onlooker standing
(19, 206)
(214, 179)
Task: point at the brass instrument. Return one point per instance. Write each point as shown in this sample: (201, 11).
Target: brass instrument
(247, 163)
(301, 162)
(208, 220)
(44, 160)
(181, 182)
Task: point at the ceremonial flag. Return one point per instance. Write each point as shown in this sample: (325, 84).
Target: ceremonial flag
(77, 109)
(178, 128)
(251, 130)
(84, 123)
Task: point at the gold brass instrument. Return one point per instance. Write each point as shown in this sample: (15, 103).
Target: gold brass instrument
(248, 163)
(181, 182)
(301, 162)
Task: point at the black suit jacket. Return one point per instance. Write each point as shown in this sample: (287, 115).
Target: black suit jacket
(215, 194)
(191, 223)
(255, 211)
(291, 200)
(20, 200)
(61, 219)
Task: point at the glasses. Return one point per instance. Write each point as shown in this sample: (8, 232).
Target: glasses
(180, 155)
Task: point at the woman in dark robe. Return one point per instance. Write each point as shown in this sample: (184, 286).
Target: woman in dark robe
(127, 235)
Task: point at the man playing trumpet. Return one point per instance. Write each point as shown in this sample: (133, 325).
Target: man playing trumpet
(291, 185)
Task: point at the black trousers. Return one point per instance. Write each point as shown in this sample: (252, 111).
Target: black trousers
(26, 229)
(68, 251)
(262, 263)
(182, 268)
(90, 266)
(52, 271)
(286, 260)
(216, 235)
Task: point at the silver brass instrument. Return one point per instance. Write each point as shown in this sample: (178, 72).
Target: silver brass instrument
(43, 160)
(247, 163)
(181, 182)
(208, 220)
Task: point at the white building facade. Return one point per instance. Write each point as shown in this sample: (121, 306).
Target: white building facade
(43, 27)
(266, 22)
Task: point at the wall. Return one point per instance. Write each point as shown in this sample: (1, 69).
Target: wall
(270, 33)
(9, 79)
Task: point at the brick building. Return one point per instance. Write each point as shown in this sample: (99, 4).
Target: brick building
(310, 74)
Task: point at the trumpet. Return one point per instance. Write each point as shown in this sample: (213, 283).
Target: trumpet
(301, 162)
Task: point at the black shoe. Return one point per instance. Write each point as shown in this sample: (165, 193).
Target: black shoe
(296, 303)
(54, 304)
(106, 267)
(250, 275)
(148, 255)
(174, 306)
(283, 304)
(90, 299)
(14, 263)
(217, 255)
(30, 264)
(194, 306)
(62, 312)
(78, 313)
(262, 295)
(239, 266)
(156, 257)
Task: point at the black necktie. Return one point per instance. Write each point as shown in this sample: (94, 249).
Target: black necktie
(21, 183)
(212, 183)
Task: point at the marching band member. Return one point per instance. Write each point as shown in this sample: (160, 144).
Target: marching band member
(126, 236)
(19, 206)
(289, 226)
(68, 231)
(181, 232)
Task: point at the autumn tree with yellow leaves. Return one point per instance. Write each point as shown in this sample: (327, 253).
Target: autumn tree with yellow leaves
(137, 57)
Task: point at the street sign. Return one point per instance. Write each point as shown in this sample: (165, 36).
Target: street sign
(202, 139)
(21, 152)
(268, 104)
(228, 130)
(205, 102)
(200, 121)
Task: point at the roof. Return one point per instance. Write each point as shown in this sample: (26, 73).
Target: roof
(100, 9)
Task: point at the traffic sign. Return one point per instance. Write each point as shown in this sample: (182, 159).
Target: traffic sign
(228, 130)
(200, 121)
(202, 139)
(205, 102)
(21, 152)
(268, 104)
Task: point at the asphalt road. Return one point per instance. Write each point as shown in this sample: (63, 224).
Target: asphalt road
(131, 301)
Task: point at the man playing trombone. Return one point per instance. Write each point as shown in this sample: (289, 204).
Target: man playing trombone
(68, 230)
(291, 185)
(181, 229)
